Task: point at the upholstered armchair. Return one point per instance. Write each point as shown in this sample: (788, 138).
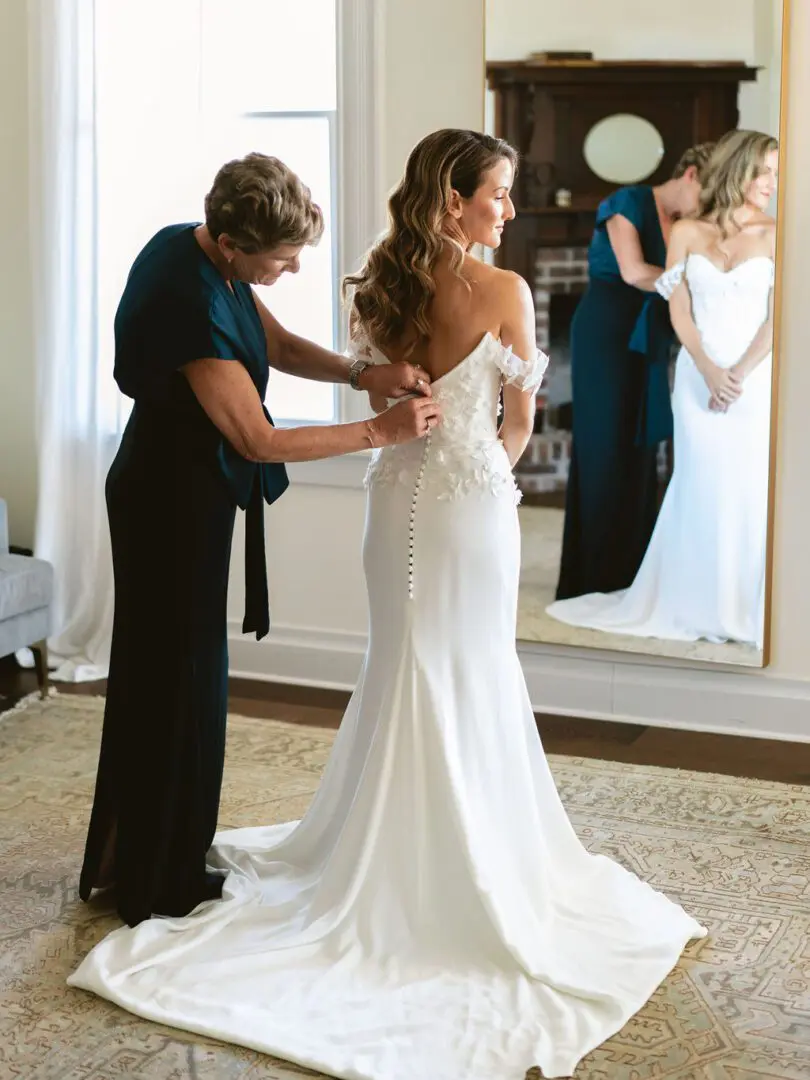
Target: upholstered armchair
(26, 598)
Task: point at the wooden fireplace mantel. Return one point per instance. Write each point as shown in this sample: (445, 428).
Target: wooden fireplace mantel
(546, 108)
(612, 70)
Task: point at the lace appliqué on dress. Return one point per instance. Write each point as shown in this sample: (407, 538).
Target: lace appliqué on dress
(669, 281)
(481, 471)
(466, 457)
(525, 374)
(359, 347)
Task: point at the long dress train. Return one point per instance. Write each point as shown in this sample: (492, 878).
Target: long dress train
(433, 916)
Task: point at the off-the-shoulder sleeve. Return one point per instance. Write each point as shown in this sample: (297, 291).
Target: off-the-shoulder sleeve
(526, 375)
(670, 280)
(625, 201)
(155, 339)
(359, 347)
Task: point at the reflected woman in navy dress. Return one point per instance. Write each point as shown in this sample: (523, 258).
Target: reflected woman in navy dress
(620, 348)
(193, 348)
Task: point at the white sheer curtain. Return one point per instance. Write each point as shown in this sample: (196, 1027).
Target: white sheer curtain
(77, 422)
(117, 154)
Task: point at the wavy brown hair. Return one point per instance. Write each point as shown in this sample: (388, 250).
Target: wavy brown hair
(260, 203)
(737, 160)
(393, 290)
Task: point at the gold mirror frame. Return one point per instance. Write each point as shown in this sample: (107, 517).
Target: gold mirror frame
(777, 331)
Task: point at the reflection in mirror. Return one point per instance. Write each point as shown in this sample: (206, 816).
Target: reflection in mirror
(623, 149)
(645, 225)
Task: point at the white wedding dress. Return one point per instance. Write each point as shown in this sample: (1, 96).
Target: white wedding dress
(433, 916)
(703, 575)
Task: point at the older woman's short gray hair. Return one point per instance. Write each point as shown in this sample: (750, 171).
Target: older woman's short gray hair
(261, 204)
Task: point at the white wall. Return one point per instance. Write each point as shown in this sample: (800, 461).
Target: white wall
(18, 472)
(622, 29)
(432, 71)
(638, 30)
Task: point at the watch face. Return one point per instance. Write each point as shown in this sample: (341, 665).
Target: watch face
(356, 370)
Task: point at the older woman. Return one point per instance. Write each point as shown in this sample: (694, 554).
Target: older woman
(193, 349)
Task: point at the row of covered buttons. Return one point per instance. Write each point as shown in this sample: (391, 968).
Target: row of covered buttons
(412, 519)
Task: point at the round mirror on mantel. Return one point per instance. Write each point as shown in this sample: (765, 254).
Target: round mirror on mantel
(623, 148)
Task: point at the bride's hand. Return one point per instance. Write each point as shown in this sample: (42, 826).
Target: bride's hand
(724, 384)
(715, 403)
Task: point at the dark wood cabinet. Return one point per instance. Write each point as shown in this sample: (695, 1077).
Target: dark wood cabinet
(547, 109)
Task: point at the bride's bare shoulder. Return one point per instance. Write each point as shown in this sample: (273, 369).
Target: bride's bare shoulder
(493, 283)
(762, 229)
(768, 224)
(688, 228)
(769, 234)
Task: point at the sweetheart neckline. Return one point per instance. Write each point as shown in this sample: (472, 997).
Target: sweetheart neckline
(731, 269)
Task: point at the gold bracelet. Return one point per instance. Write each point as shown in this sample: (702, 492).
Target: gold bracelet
(370, 435)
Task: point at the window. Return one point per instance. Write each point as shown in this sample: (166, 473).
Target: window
(185, 85)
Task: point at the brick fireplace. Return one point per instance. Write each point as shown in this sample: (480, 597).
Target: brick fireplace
(560, 277)
(557, 270)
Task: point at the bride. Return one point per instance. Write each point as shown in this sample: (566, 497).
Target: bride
(433, 916)
(703, 575)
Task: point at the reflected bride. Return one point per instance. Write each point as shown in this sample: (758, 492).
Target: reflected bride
(703, 575)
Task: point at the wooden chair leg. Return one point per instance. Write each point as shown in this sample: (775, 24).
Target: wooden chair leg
(40, 651)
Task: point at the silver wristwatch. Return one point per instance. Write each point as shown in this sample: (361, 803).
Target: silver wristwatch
(356, 370)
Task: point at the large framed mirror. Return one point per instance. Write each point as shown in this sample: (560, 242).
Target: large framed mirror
(647, 225)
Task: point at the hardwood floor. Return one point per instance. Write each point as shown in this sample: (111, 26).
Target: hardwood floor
(640, 744)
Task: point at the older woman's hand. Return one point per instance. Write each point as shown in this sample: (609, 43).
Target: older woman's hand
(405, 421)
(395, 380)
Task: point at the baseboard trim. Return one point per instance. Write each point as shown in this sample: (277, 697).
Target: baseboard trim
(724, 702)
(299, 655)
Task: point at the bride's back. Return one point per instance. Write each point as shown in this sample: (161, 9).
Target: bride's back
(470, 325)
(464, 309)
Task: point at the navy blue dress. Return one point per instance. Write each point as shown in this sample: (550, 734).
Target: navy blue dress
(620, 347)
(172, 494)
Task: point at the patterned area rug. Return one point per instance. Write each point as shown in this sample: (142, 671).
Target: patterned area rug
(735, 852)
